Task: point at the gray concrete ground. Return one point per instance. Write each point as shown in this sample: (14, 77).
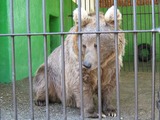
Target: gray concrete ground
(126, 100)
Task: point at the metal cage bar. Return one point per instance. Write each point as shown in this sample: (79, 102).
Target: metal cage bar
(158, 93)
(29, 60)
(153, 61)
(0, 114)
(45, 57)
(66, 33)
(63, 61)
(117, 61)
(99, 63)
(135, 60)
(159, 12)
(80, 59)
(13, 61)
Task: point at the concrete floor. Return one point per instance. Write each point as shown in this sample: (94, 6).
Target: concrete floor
(126, 100)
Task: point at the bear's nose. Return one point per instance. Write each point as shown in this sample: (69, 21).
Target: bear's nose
(87, 64)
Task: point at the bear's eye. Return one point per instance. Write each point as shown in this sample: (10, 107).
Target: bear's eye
(95, 45)
(84, 46)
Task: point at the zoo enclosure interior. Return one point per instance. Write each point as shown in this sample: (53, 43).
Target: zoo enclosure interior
(144, 22)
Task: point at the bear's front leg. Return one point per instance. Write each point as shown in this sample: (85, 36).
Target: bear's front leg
(107, 107)
(89, 108)
(108, 86)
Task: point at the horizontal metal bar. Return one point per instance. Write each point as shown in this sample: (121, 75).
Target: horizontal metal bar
(92, 32)
(141, 13)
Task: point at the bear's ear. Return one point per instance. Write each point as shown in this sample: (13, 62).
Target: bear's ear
(109, 16)
(84, 17)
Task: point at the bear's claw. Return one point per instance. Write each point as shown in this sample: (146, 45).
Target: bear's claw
(40, 102)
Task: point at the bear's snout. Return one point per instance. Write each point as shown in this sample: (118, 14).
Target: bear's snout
(87, 64)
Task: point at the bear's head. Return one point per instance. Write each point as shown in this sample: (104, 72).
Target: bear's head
(90, 38)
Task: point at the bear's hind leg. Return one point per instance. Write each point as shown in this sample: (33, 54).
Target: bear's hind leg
(40, 98)
(40, 88)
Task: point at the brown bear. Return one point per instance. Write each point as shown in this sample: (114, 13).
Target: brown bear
(89, 62)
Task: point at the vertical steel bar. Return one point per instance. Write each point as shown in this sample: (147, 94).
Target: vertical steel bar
(135, 60)
(80, 59)
(123, 4)
(45, 56)
(117, 61)
(129, 46)
(14, 79)
(158, 96)
(150, 24)
(62, 60)
(159, 65)
(159, 11)
(153, 61)
(141, 35)
(89, 5)
(147, 35)
(0, 114)
(99, 64)
(13, 61)
(29, 60)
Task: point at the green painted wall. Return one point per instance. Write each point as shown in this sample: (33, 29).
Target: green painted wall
(54, 21)
(144, 22)
(21, 47)
(4, 43)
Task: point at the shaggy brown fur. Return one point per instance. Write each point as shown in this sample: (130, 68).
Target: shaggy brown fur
(72, 77)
